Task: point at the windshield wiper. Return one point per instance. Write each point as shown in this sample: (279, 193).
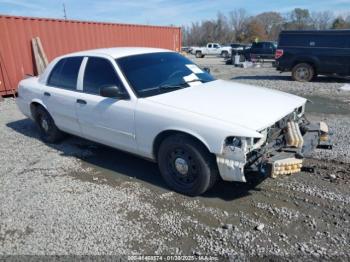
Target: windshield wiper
(180, 85)
(175, 86)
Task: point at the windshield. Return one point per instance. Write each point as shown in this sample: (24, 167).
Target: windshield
(157, 73)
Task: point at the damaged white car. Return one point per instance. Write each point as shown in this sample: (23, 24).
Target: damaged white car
(159, 105)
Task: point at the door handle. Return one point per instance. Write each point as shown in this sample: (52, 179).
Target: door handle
(47, 94)
(81, 101)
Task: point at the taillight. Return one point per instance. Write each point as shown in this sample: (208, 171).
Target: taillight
(278, 53)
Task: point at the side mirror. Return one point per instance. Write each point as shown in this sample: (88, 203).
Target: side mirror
(113, 92)
(206, 69)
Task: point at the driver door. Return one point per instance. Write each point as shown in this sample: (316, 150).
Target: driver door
(108, 121)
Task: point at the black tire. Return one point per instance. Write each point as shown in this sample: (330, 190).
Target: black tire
(224, 54)
(180, 151)
(199, 54)
(303, 72)
(49, 132)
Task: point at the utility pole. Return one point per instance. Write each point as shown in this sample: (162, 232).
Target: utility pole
(64, 12)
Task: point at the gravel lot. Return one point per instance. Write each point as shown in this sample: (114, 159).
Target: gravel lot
(81, 198)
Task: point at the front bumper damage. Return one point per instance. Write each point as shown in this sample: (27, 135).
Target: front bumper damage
(281, 155)
(231, 164)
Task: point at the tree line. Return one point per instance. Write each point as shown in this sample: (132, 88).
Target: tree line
(239, 26)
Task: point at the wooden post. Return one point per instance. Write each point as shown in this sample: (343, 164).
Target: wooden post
(39, 55)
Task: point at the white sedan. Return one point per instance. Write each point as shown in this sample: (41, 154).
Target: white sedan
(159, 105)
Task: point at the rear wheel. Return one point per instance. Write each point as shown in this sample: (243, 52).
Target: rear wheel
(224, 54)
(49, 132)
(186, 165)
(303, 72)
(199, 54)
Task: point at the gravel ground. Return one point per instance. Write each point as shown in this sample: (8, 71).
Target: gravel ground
(81, 198)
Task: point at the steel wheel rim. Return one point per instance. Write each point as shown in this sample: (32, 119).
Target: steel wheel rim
(44, 124)
(303, 73)
(183, 167)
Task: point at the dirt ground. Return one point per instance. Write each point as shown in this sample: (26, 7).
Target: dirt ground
(81, 198)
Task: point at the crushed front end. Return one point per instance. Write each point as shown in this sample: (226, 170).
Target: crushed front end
(280, 151)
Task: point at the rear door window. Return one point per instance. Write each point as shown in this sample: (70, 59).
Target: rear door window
(65, 73)
(99, 73)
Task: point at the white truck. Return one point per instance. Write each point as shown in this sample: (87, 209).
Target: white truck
(212, 49)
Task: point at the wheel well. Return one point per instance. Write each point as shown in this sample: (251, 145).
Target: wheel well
(198, 51)
(160, 138)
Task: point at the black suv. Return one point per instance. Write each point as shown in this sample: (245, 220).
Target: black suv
(309, 53)
(260, 50)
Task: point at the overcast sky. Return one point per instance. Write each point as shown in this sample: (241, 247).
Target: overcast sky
(159, 12)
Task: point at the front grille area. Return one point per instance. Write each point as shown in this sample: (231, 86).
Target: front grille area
(284, 121)
(277, 130)
(275, 141)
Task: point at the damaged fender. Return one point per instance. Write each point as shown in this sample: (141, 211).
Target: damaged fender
(231, 164)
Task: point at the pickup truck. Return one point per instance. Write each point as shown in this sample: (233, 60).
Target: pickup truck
(308, 53)
(264, 50)
(159, 105)
(212, 49)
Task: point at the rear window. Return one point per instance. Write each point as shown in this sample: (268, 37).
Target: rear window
(65, 73)
(268, 45)
(257, 45)
(317, 40)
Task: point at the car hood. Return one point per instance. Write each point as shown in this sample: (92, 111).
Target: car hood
(248, 106)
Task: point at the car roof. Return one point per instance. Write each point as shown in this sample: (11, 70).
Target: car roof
(117, 52)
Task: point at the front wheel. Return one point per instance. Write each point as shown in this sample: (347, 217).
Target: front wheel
(303, 72)
(186, 165)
